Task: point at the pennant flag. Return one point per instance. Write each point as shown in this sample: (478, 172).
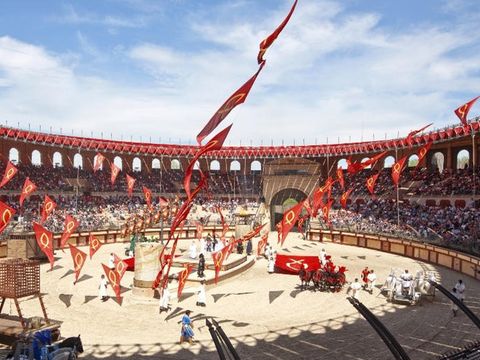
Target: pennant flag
(181, 216)
(326, 211)
(218, 258)
(94, 244)
(423, 152)
(301, 221)
(113, 279)
(462, 111)
(290, 217)
(28, 188)
(237, 98)
(215, 143)
(308, 207)
(6, 213)
(412, 133)
(48, 206)
(371, 183)
(266, 43)
(341, 180)
(130, 184)
(182, 279)
(10, 172)
(98, 162)
(279, 231)
(353, 168)
(253, 233)
(71, 224)
(344, 198)
(44, 241)
(115, 170)
(199, 230)
(120, 266)
(261, 244)
(78, 257)
(317, 201)
(397, 169)
(148, 196)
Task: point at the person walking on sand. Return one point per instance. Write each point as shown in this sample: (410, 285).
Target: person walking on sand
(187, 333)
(102, 288)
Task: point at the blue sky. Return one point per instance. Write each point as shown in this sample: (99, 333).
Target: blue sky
(346, 70)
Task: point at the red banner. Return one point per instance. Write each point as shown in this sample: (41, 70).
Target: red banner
(267, 42)
(6, 213)
(130, 184)
(94, 245)
(371, 183)
(397, 169)
(253, 233)
(148, 196)
(218, 258)
(261, 244)
(462, 111)
(290, 217)
(412, 133)
(344, 198)
(341, 180)
(120, 266)
(423, 152)
(114, 279)
(293, 263)
(98, 162)
(115, 170)
(10, 172)
(78, 257)
(44, 241)
(48, 206)
(28, 188)
(71, 224)
(326, 211)
(182, 279)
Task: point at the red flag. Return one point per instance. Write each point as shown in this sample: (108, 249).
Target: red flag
(293, 263)
(120, 266)
(261, 244)
(266, 43)
(326, 210)
(182, 279)
(317, 201)
(344, 198)
(341, 180)
(78, 257)
(289, 219)
(28, 188)
(308, 207)
(237, 98)
(148, 196)
(94, 245)
(397, 169)
(113, 278)
(218, 258)
(215, 143)
(354, 167)
(71, 225)
(10, 172)
(44, 241)
(115, 170)
(199, 230)
(423, 152)
(181, 216)
(412, 133)
(6, 213)
(98, 162)
(371, 183)
(130, 184)
(462, 111)
(48, 206)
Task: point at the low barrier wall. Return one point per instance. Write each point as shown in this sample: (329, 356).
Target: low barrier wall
(452, 259)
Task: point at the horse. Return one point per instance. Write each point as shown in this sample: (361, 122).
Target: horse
(305, 277)
(67, 349)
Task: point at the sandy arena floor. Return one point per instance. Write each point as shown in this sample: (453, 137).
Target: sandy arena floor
(263, 314)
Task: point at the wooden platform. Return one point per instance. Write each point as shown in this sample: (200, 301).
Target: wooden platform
(11, 327)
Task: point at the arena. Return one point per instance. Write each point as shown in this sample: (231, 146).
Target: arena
(358, 249)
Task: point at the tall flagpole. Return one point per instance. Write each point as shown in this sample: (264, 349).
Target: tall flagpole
(474, 162)
(398, 191)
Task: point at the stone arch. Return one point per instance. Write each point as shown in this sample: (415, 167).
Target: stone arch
(136, 164)
(175, 164)
(118, 161)
(342, 164)
(78, 161)
(95, 161)
(57, 159)
(196, 166)
(388, 162)
(463, 159)
(365, 159)
(156, 164)
(215, 165)
(438, 161)
(256, 166)
(235, 165)
(412, 160)
(14, 155)
(283, 201)
(36, 158)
